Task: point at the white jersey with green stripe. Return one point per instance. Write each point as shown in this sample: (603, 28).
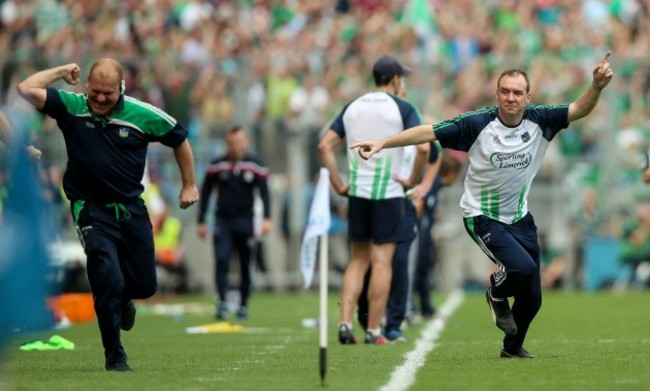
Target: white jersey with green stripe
(503, 160)
(373, 116)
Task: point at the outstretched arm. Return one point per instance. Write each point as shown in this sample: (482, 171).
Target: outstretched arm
(602, 75)
(33, 89)
(185, 159)
(412, 136)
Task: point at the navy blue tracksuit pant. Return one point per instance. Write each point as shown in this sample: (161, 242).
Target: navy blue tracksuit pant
(233, 231)
(514, 248)
(424, 264)
(118, 242)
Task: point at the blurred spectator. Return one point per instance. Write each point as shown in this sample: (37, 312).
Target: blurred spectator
(635, 249)
(308, 104)
(553, 264)
(588, 223)
(558, 34)
(281, 83)
(176, 93)
(256, 99)
(214, 105)
(193, 13)
(645, 168)
(170, 248)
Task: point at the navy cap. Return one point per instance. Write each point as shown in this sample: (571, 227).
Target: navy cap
(387, 67)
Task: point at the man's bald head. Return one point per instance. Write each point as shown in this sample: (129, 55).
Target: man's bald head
(106, 69)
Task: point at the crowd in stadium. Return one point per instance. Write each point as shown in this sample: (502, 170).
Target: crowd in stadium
(288, 66)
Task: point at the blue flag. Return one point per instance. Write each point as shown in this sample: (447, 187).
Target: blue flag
(24, 258)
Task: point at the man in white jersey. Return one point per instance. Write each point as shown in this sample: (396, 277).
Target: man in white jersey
(376, 199)
(505, 146)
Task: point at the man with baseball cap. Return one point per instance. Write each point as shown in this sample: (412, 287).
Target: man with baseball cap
(386, 68)
(376, 198)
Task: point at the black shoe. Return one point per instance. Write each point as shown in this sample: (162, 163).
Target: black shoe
(128, 316)
(120, 366)
(242, 313)
(346, 337)
(501, 314)
(522, 354)
(429, 314)
(375, 340)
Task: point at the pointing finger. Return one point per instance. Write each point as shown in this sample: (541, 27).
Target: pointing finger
(363, 155)
(609, 53)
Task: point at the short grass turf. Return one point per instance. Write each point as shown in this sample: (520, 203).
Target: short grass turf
(582, 342)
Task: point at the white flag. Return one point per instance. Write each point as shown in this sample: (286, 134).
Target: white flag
(318, 224)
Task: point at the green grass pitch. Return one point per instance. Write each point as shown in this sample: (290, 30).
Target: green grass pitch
(582, 342)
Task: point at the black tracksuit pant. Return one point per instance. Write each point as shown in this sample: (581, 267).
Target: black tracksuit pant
(233, 232)
(118, 241)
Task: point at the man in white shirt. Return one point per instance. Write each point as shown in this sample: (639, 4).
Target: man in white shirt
(376, 199)
(505, 146)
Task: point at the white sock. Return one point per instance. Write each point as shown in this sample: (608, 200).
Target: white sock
(374, 332)
(349, 325)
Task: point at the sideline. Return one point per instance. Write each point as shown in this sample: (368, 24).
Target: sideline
(403, 376)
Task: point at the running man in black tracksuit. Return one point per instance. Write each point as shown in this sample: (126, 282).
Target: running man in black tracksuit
(235, 176)
(106, 136)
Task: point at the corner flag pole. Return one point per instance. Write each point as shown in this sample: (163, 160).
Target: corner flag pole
(317, 227)
(323, 306)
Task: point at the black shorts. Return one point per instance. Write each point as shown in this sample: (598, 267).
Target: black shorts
(377, 221)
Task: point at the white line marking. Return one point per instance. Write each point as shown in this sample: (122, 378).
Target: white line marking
(403, 376)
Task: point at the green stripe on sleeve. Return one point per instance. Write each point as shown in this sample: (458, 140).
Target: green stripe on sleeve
(146, 117)
(75, 103)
